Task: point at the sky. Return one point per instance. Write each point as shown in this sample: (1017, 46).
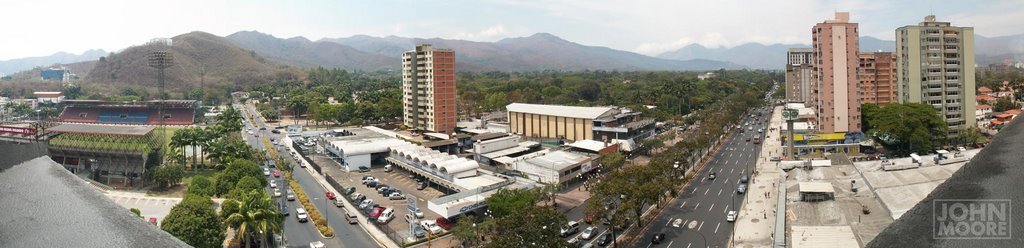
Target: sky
(43, 27)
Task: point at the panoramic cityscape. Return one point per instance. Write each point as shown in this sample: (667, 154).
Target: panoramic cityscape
(501, 124)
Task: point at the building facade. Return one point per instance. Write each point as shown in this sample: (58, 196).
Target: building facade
(877, 73)
(555, 122)
(935, 66)
(428, 89)
(835, 93)
(799, 71)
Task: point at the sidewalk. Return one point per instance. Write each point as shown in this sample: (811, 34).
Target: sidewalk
(756, 221)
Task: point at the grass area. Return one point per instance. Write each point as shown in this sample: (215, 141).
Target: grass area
(168, 132)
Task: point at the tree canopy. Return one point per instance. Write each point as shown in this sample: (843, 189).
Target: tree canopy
(195, 222)
(907, 128)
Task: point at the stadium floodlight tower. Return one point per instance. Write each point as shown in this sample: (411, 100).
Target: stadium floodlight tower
(161, 60)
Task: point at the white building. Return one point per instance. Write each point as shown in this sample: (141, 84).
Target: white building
(49, 96)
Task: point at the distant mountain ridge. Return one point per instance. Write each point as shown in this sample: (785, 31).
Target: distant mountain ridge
(299, 51)
(16, 65)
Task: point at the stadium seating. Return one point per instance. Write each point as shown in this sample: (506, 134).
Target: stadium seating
(178, 116)
(79, 114)
(133, 115)
(123, 116)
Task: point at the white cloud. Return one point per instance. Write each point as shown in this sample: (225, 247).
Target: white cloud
(492, 33)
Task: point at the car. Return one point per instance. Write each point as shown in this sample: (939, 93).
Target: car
(605, 239)
(588, 233)
(290, 195)
(153, 221)
(387, 168)
(266, 172)
(418, 213)
(355, 196)
(275, 131)
(711, 176)
(277, 192)
(330, 195)
(376, 212)
(263, 128)
(386, 216)
(351, 218)
(364, 169)
(748, 139)
(277, 173)
(350, 190)
(251, 133)
(741, 189)
(657, 238)
(283, 208)
(743, 179)
(419, 231)
(421, 185)
(273, 183)
(410, 218)
(574, 242)
(571, 228)
(431, 226)
(961, 148)
(371, 184)
(383, 189)
(445, 223)
(368, 179)
(316, 244)
(369, 208)
(366, 203)
(396, 196)
(731, 216)
(301, 215)
(303, 165)
(760, 130)
(339, 202)
(256, 135)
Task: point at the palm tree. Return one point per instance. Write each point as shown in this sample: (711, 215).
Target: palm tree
(205, 137)
(179, 140)
(256, 215)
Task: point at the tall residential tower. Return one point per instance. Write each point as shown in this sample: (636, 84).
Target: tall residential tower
(428, 89)
(935, 66)
(835, 93)
(799, 71)
(877, 78)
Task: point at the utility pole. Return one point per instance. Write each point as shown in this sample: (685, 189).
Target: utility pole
(161, 60)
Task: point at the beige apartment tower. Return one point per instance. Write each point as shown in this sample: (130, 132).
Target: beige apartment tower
(428, 89)
(835, 94)
(877, 74)
(935, 66)
(799, 71)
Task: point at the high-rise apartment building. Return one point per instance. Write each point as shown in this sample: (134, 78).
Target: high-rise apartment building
(428, 89)
(935, 66)
(877, 73)
(835, 93)
(799, 71)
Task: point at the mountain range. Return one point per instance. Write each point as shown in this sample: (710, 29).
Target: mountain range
(15, 65)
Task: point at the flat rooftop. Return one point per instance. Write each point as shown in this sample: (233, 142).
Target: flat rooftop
(102, 129)
(900, 190)
(824, 236)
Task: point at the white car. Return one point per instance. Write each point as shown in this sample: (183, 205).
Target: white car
(266, 172)
(418, 213)
(277, 192)
(273, 183)
(301, 214)
(432, 226)
(589, 233)
(731, 216)
(366, 203)
(317, 244)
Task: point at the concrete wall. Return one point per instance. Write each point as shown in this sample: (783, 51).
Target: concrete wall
(550, 127)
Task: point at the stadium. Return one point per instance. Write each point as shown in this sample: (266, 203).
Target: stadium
(176, 112)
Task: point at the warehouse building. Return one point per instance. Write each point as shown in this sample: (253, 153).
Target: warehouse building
(556, 122)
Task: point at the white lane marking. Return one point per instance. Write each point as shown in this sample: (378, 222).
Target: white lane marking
(706, 191)
(669, 244)
(734, 193)
(726, 181)
(716, 227)
(694, 190)
(712, 207)
(688, 245)
(743, 172)
(719, 191)
(732, 170)
(737, 162)
(668, 222)
(697, 206)
(684, 204)
(726, 209)
(701, 225)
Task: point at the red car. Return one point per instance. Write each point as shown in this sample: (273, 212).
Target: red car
(277, 173)
(152, 220)
(330, 195)
(376, 212)
(445, 223)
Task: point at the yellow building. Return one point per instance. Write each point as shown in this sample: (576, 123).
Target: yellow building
(577, 123)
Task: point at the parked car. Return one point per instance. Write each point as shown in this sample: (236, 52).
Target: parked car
(351, 217)
(350, 190)
(658, 238)
(589, 233)
(744, 179)
(290, 195)
(275, 131)
(301, 214)
(605, 239)
(376, 212)
(366, 203)
(387, 168)
(386, 216)
(419, 231)
(421, 185)
(371, 184)
(741, 189)
(383, 189)
(731, 216)
(317, 244)
(355, 197)
(431, 226)
(153, 221)
(364, 169)
(571, 228)
(418, 213)
(445, 223)
(396, 196)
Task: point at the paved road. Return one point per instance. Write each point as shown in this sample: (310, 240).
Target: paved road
(301, 234)
(707, 201)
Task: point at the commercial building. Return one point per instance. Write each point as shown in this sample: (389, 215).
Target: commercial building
(49, 96)
(55, 74)
(428, 89)
(935, 66)
(877, 78)
(835, 94)
(557, 166)
(799, 75)
(558, 122)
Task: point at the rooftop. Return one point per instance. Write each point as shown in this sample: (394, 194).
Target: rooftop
(824, 236)
(816, 187)
(102, 129)
(559, 110)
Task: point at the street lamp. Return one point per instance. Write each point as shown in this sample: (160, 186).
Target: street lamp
(691, 226)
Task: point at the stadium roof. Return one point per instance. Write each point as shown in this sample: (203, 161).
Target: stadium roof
(54, 208)
(102, 129)
(993, 174)
(559, 110)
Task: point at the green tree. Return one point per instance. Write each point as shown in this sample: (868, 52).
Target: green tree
(136, 211)
(469, 229)
(630, 189)
(868, 109)
(72, 91)
(908, 128)
(1004, 104)
(506, 201)
(201, 185)
(230, 121)
(533, 226)
(246, 184)
(195, 221)
(256, 214)
(166, 175)
(234, 172)
(611, 161)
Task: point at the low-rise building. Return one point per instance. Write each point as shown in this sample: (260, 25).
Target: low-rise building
(982, 111)
(49, 96)
(556, 122)
(559, 166)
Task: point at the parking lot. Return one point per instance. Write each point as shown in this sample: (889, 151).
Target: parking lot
(396, 179)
